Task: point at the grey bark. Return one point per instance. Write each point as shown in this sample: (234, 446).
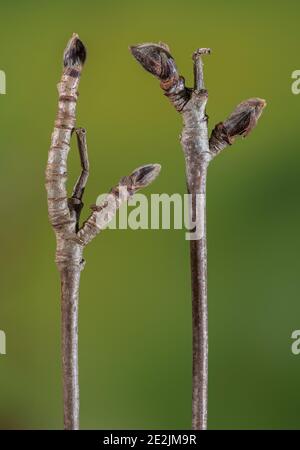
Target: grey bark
(198, 150)
(64, 216)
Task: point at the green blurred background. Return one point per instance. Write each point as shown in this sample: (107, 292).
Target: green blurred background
(135, 309)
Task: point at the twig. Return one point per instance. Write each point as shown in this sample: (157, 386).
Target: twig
(82, 180)
(64, 215)
(198, 150)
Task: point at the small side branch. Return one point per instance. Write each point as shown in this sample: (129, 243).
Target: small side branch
(83, 153)
(198, 68)
(78, 191)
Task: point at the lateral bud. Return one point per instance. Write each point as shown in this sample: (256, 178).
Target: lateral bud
(240, 123)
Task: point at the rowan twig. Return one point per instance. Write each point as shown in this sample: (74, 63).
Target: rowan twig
(64, 214)
(198, 150)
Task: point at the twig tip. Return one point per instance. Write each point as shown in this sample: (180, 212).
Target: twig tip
(75, 52)
(156, 59)
(200, 52)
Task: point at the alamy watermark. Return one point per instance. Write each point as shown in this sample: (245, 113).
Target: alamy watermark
(159, 211)
(295, 347)
(2, 82)
(2, 343)
(296, 83)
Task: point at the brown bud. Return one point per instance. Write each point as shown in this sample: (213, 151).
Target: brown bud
(156, 59)
(138, 179)
(244, 118)
(75, 52)
(240, 123)
(145, 175)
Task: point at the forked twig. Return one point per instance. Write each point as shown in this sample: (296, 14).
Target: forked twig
(198, 150)
(64, 215)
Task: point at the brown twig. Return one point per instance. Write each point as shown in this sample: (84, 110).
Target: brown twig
(198, 150)
(64, 215)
